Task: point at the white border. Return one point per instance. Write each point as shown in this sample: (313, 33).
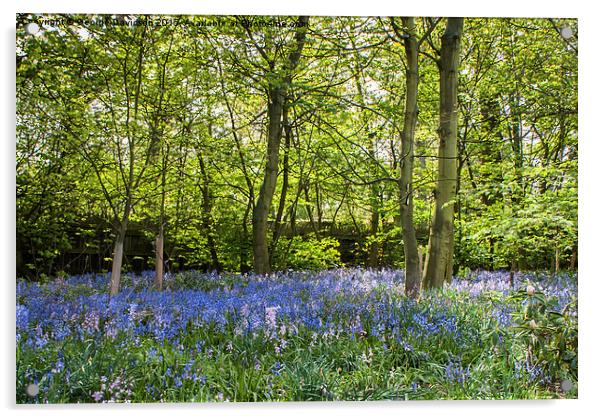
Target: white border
(589, 203)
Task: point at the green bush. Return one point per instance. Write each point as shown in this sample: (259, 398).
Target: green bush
(307, 254)
(550, 336)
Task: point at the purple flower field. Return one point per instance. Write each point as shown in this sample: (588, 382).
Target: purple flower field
(293, 336)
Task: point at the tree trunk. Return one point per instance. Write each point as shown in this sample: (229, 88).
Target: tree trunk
(278, 225)
(491, 242)
(159, 253)
(117, 260)
(293, 220)
(574, 258)
(421, 260)
(159, 258)
(215, 263)
(244, 241)
(336, 211)
(308, 209)
(406, 196)
(277, 93)
(261, 259)
(118, 252)
(318, 205)
(374, 250)
(440, 251)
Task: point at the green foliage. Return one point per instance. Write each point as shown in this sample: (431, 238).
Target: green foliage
(307, 254)
(181, 134)
(550, 337)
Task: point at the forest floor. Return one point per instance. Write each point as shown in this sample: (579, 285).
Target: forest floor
(346, 334)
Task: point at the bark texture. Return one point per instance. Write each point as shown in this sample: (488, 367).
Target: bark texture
(406, 199)
(440, 250)
(159, 259)
(278, 91)
(118, 253)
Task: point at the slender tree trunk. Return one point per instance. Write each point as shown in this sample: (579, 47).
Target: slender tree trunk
(132, 181)
(574, 258)
(215, 263)
(278, 225)
(336, 212)
(159, 240)
(159, 258)
(277, 95)
(420, 260)
(413, 262)
(318, 205)
(520, 258)
(244, 241)
(117, 261)
(374, 250)
(293, 220)
(118, 251)
(308, 209)
(261, 259)
(295, 204)
(157, 149)
(440, 252)
(491, 242)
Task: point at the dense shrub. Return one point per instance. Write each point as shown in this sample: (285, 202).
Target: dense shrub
(307, 253)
